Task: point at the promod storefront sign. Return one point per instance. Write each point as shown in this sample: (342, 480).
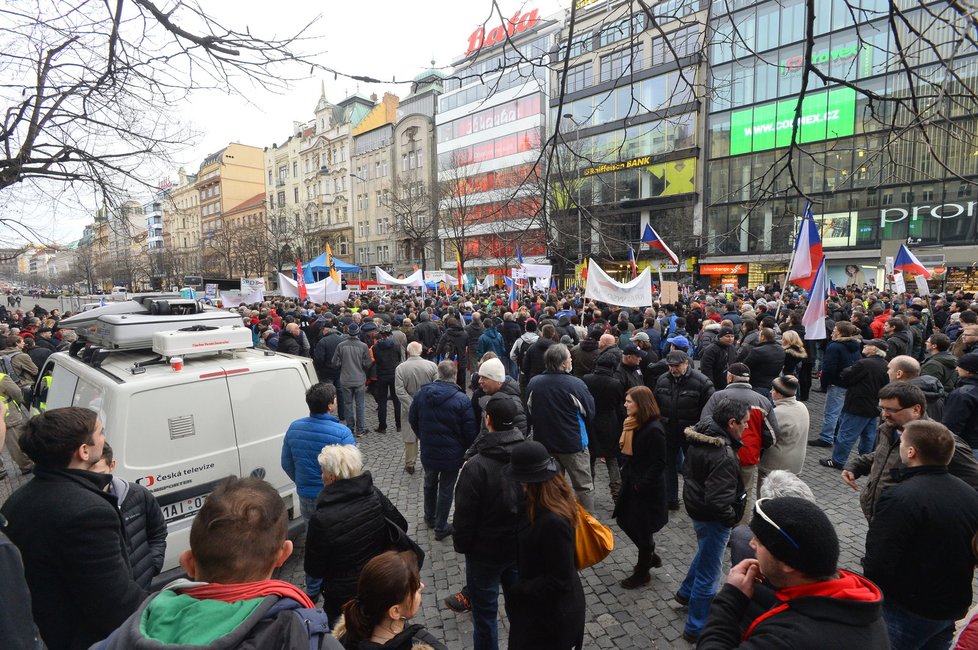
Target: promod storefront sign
(825, 115)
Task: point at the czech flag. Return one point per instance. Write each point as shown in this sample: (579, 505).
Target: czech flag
(631, 262)
(832, 290)
(814, 317)
(907, 262)
(651, 238)
(553, 283)
(808, 252)
(514, 302)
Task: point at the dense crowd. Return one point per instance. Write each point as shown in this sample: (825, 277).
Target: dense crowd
(513, 412)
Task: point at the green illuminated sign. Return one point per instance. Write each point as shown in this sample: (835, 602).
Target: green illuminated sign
(824, 115)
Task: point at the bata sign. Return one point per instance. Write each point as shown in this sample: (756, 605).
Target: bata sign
(518, 24)
(942, 211)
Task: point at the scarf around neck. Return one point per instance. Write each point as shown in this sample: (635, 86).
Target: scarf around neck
(627, 431)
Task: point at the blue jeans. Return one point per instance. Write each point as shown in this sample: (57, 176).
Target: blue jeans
(835, 396)
(307, 506)
(483, 580)
(909, 631)
(355, 418)
(703, 577)
(439, 490)
(851, 428)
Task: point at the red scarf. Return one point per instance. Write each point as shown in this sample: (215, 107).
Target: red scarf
(247, 590)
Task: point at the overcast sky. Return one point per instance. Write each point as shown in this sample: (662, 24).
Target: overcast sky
(383, 40)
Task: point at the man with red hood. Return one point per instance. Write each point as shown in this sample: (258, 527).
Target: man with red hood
(815, 605)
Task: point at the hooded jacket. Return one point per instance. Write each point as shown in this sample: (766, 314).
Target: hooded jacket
(488, 505)
(269, 617)
(941, 365)
(304, 439)
(934, 393)
(473, 332)
(453, 344)
(843, 613)
(604, 429)
(839, 355)
(145, 529)
(762, 428)
(899, 343)
(583, 355)
(715, 360)
(681, 400)
(386, 355)
(492, 341)
(560, 406)
(441, 416)
(713, 489)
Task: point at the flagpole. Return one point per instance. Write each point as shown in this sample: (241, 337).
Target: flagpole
(791, 262)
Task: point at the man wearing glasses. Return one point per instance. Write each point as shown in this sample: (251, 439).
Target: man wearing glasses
(817, 605)
(900, 403)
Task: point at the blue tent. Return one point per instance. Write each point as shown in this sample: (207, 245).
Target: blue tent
(316, 269)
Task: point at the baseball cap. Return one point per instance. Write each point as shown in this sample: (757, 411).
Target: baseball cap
(676, 357)
(501, 412)
(632, 350)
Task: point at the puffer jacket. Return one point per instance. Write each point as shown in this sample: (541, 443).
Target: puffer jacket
(713, 489)
(714, 362)
(387, 356)
(762, 428)
(441, 416)
(145, 529)
(347, 529)
(492, 341)
(839, 355)
(583, 355)
(488, 505)
(934, 393)
(900, 343)
(304, 439)
(681, 400)
(941, 365)
(863, 381)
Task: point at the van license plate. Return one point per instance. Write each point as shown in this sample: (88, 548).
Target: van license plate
(183, 509)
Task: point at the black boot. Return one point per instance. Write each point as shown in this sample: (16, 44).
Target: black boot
(640, 575)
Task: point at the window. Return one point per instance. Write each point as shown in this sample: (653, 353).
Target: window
(619, 64)
(380, 227)
(283, 173)
(579, 77)
(295, 192)
(295, 169)
(270, 181)
(624, 28)
(404, 162)
(281, 198)
(378, 197)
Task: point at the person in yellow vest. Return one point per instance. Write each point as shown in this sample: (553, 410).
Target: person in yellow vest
(9, 393)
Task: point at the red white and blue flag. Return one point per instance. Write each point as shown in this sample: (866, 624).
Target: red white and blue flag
(814, 318)
(907, 262)
(652, 238)
(631, 262)
(553, 283)
(514, 301)
(832, 290)
(808, 253)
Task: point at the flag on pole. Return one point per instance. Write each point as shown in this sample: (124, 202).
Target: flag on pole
(333, 272)
(461, 275)
(808, 253)
(651, 238)
(814, 318)
(553, 283)
(300, 280)
(519, 255)
(514, 302)
(832, 290)
(631, 262)
(584, 270)
(906, 261)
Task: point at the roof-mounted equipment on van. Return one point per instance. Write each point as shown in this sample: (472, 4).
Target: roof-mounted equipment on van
(196, 340)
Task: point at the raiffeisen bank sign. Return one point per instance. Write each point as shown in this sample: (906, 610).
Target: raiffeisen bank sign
(941, 211)
(519, 23)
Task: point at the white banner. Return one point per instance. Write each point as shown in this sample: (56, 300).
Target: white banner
(517, 273)
(236, 298)
(922, 287)
(413, 280)
(250, 285)
(538, 270)
(600, 286)
(319, 292)
(434, 276)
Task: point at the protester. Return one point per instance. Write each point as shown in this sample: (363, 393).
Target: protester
(409, 377)
(961, 407)
(387, 356)
(765, 360)
(716, 358)
(353, 357)
(788, 450)
(493, 382)
(604, 429)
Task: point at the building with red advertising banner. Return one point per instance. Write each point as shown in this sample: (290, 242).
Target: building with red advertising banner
(491, 125)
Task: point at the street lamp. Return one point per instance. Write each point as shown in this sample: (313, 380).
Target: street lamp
(577, 138)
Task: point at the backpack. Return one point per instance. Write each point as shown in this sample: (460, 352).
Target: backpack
(7, 366)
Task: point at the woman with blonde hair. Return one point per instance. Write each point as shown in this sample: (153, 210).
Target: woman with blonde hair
(547, 612)
(799, 355)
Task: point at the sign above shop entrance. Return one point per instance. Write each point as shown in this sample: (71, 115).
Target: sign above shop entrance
(941, 211)
(723, 269)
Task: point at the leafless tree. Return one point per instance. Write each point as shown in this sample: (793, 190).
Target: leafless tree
(412, 208)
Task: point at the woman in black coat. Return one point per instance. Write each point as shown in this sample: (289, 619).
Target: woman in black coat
(641, 509)
(604, 429)
(349, 526)
(547, 608)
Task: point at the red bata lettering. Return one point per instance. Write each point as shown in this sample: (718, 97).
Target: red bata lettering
(518, 24)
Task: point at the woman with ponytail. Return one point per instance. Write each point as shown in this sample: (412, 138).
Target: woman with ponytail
(388, 596)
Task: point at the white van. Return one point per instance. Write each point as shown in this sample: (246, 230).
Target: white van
(179, 432)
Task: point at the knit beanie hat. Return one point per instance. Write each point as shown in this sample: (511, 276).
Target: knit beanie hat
(806, 540)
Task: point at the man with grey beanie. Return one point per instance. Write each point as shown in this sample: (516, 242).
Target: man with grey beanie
(816, 604)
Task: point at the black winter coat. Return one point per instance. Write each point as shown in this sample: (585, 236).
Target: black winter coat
(681, 400)
(533, 360)
(72, 539)
(839, 355)
(289, 344)
(714, 363)
(322, 356)
(145, 530)
(547, 612)
(641, 509)
(488, 505)
(426, 333)
(604, 430)
(511, 333)
(387, 356)
(863, 381)
(765, 361)
(941, 365)
(346, 531)
(713, 489)
(899, 343)
(583, 356)
(452, 345)
(918, 548)
(961, 410)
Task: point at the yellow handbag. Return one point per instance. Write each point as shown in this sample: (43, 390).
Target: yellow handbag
(593, 540)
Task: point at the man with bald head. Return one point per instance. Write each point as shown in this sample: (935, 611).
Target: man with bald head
(905, 368)
(290, 340)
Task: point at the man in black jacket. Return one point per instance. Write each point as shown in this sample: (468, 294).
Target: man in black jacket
(918, 547)
(426, 333)
(487, 512)
(533, 363)
(765, 360)
(681, 393)
(718, 356)
(289, 341)
(322, 360)
(817, 605)
(900, 341)
(715, 498)
(860, 411)
(70, 533)
(961, 405)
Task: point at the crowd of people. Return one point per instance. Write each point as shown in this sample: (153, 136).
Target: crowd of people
(512, 415)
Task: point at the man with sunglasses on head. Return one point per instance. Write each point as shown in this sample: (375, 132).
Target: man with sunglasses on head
(900, 403)
(816, 604)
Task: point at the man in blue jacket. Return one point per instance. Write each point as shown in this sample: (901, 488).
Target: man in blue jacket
(560, 406)
(441, 416)
(304, 440)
